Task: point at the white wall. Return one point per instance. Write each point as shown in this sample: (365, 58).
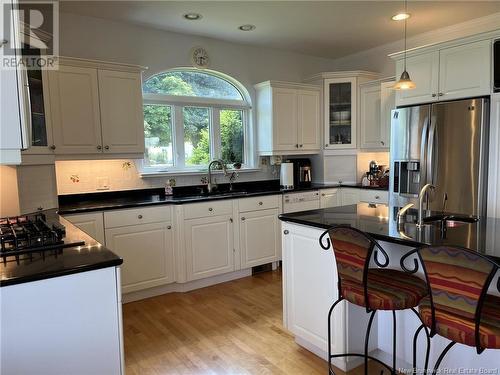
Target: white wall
(94, 38)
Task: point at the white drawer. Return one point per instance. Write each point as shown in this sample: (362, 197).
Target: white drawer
(374, 196)
(205, 209)
(143, 215)
(259, 203)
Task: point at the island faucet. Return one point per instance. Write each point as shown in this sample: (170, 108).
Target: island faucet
(212, 186)
(421, 197)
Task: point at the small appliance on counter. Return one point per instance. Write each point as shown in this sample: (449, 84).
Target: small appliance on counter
(302, 172)
(286, 175)
(377, 175)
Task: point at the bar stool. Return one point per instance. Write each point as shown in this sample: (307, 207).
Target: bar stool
(372, 288)
(458, 306)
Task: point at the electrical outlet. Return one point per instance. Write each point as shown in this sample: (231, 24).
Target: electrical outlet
(263, 161)
(102, 183)
(276, 160)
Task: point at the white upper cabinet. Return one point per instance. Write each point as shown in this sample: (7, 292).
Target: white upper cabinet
(288, 118)
(121, 111)
(285, 122)
(446, 72)
(96, 108)
(74, 99)
(424, 71)
(308, 107)
(464, 71)
(377, 100)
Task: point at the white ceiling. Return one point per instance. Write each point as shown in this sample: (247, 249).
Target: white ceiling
(321, 28)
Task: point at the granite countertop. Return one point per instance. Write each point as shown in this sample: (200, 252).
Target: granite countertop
(90, 256)
(79, 203)
(380, 222)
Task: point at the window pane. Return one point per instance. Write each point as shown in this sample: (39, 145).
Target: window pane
(158, 135)
(191, 83)
(196, 135)
(231, 129)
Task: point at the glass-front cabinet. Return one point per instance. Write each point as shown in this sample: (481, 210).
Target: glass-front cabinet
(36, 95)
(340, 113)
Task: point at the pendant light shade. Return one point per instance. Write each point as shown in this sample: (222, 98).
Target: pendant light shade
(405, 82)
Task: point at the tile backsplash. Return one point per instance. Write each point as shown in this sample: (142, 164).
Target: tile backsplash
(89, 176)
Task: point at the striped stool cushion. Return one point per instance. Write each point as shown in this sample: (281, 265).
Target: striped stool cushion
(387, 290)
(461, 329)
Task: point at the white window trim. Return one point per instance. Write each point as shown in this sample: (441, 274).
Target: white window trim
(177, 102)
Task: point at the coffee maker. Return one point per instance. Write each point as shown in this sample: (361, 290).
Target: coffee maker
(302, 172)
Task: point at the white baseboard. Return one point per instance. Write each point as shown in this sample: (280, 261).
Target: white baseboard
(185, 287)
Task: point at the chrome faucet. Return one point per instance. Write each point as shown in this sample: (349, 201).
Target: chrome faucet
(421, 197)
(402, 212)
(212, 186)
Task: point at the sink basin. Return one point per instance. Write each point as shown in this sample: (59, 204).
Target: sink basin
(451, 221)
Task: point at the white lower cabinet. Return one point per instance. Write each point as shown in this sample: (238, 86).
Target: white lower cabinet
(209, 246)
(330, 198)
(259, 237)
(374, 196)
(349, 196)
(148, 254)
(91, 223)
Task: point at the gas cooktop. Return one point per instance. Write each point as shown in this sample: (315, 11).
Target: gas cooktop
(32, 234)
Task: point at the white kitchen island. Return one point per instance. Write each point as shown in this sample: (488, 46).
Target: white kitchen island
(310, 288)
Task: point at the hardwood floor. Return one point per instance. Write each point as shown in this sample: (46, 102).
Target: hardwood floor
(230, 328)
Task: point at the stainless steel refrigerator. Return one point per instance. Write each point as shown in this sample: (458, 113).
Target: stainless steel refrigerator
(445, 144)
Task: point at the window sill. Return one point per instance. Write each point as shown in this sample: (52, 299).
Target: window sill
(191, 172)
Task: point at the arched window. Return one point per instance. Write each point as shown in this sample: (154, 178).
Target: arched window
(192, 117)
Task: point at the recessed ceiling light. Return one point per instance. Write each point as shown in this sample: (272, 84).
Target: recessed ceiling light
(247, 27)
(193, 16)
(400, 16)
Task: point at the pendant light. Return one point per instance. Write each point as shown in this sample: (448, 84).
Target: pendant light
(405, 82)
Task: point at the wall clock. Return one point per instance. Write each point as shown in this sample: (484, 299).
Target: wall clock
(199, 57)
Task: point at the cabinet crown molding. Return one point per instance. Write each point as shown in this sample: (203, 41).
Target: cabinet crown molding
(98, 64)
(491, 35)
(289, 85)
(343, 74)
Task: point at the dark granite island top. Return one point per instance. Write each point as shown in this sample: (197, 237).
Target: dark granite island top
(90, 256)
(380, 222)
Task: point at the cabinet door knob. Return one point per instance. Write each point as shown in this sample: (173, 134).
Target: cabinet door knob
(440, 94)
(323, 194)
(3, 42)
(261, 203)
(169, 227)
(326, 145)
(53, 147)
(286, 231)
(106, 147)
(40, 208)
(297, 145)
(230, 219)
(434, 95)
(210, 209)
(243, 218)
(139, 216)
(99, 147)
(382, 142)
(377, 196)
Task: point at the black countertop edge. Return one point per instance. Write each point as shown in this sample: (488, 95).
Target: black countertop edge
(69, 260)
(313, 218)
(103, 201)
(72, 271)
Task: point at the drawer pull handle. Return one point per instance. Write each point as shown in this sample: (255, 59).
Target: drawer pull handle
(169, 227)
(323, 195)
(260, 203)
(243, 218)
(53, 147)
(139, 216)
(377, 196)
(99, 147)
(230, 219)
(210, 209)
(286, 231)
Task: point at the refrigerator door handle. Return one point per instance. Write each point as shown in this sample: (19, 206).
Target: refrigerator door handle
(423, 151)
(430, 152)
